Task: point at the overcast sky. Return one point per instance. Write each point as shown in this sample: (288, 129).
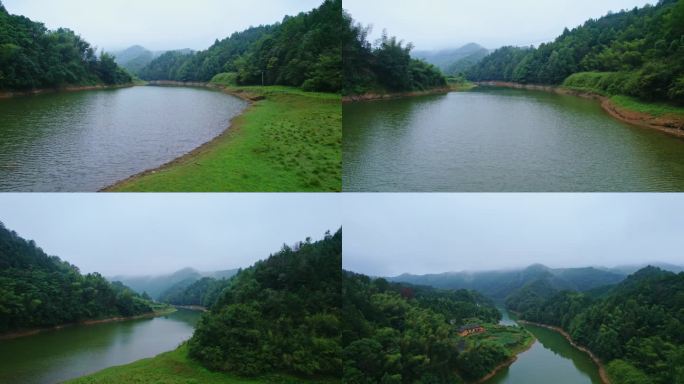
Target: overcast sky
(140, 234)
(390, 234)
(437, 24)
(156, 24)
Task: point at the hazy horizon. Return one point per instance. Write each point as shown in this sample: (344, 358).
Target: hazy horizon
(448, 24)
(156, 24)
(392, 234)
(158, 234)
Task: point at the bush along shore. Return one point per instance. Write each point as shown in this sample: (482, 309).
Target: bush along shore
(286, 140)
(662, 117)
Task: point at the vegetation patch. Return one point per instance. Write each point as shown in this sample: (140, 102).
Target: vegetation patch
(175, 367)
(289, 141)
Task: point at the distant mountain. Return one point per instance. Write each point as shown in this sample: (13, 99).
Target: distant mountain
(448, 59)
(157, 285)
(462, 65)
(136, 57)
(629, 269)
(499, 284)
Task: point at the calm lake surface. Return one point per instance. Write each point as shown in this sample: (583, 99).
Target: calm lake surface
(85, 141)
(55, 356)
(550, 360)
(497, 139)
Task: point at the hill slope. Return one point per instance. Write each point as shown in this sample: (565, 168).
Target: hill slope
(637, 53)
(448, 59)
(301, 51)
(280, 315)
(637, 326)
(499, 284)
(33, 57)
(37, 290)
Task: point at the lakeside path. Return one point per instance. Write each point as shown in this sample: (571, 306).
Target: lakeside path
(31, 332)
(287, 140)
(597, 361)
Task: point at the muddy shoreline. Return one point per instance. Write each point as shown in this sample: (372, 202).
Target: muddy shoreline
(506, 363)
(667, 124)
(250, 98)
(372, 96)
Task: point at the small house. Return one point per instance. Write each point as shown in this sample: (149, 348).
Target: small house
(470, 329)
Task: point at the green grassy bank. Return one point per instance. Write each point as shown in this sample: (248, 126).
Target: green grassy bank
(615, 86)
(175, 367)
(289, 140)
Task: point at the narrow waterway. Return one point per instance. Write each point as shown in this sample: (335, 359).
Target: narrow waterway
(55, 356)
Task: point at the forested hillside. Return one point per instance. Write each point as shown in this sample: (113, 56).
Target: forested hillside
(499, 284)
(387, 66)
(280, 315)
(636, 326)
(37, 290)
(203, 292)
(399, 333)
(638, 53)
(301, 51)
(33, 57)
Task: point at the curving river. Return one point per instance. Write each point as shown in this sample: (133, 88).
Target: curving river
(550, 360)
(503, 140)
(55, 356)
(85, 141)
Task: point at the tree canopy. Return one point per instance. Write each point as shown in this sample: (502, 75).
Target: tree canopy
(37, 290)
(637, 325)
(301, 51)
(280, 315)
(637, 53)
(385, 66)
(31, 57)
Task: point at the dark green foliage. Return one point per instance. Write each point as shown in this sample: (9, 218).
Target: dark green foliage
(203, 292)
(302, 51)
(386, 66)
(37, 290)
(398, 333)
(32, 57)
(282, 314)
(644, 47)
(639, 321)
(481, 360)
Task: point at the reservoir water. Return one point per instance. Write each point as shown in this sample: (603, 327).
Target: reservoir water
(550, 360)
(85, 141)
(55, 356)
(503, 140)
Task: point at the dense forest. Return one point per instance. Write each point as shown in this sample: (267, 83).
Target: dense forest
(37, 290)
(638, 53)
(203, 292)
(301, 51)
(637, 326)
(400, 333)
(385, 66)
(280, 315)
(32, 57)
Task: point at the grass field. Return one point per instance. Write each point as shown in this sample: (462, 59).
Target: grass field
(176, 368)
(289, 141)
